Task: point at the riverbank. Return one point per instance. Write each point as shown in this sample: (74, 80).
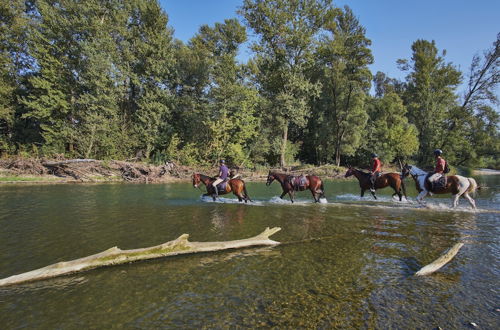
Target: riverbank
(486, 171)
(29, 170)
(47, 171)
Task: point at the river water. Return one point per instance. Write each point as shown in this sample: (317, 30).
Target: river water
(347, 263)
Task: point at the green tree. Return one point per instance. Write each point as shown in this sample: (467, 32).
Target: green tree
(388, 132)
(430, 96)
(217, 107)
(343, 59)
(284, 54)
(465, 126)
(14, 29)
(148, 72)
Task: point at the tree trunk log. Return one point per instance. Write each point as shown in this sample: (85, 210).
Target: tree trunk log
(115, 256)
(440, 262)
(70, 161)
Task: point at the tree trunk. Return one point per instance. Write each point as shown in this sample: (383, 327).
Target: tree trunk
(283, 145)
(115, 256)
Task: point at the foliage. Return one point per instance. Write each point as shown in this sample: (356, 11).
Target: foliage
(107, 80)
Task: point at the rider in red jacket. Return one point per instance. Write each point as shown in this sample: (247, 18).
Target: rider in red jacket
(375, 170)
(439, 169)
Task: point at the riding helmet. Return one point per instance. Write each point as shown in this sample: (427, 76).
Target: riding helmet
(438, 152)
(374, 155)
(222, 161)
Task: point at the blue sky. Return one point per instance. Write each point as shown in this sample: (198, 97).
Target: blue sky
(463, 28)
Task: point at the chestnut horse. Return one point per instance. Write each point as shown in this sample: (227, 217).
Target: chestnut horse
(384, 180)
(313, 183)
(237, 186)
(457, 185)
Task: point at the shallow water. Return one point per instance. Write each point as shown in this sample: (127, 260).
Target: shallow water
(344, 263)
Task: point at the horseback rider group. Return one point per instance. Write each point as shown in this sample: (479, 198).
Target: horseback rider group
(436, 178)
(299, 183)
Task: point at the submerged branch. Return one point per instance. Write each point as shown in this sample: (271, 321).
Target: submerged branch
(441, 261)
(116, 256)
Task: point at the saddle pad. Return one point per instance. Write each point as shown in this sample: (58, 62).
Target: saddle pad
(298, 182)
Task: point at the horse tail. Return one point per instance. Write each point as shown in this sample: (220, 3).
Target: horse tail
(245, 191)
(472, 186)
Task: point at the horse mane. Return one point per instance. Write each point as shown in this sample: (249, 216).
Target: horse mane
(361, 171)
(205, 176)
(418, 169)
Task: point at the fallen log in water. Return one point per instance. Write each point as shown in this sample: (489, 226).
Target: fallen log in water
(440, 262)
(115, 256)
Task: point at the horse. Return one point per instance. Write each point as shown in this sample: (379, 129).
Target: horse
(457, 185)
(312, 182)
(384, 180)
(237, 186)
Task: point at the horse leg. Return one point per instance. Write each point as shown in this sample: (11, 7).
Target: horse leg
(373, 194)
(471, 201)
(283, 194)
(362, 192)
(420, 197)
(314, 196)
(455, 200)
(291, 195)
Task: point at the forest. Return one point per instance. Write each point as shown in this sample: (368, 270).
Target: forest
(107, 79)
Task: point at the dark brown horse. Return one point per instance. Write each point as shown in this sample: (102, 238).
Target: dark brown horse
(312, 182)
(384, 180)
(237, 186)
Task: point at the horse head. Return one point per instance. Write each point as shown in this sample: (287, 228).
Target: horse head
(350, 171)
(270, 178)
(405, 170)
(196, 180)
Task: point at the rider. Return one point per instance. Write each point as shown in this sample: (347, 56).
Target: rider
(439, 170)
(375, 170)
(223, 172)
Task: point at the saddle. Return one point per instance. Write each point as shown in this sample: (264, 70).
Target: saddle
(222, 186)
(298, 183)
(438, 184)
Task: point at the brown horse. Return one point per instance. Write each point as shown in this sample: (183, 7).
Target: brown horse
(384, 180)
(312, 182)
(457, 185)
(237, 186)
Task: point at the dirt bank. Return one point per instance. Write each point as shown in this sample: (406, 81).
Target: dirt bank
(91, 170)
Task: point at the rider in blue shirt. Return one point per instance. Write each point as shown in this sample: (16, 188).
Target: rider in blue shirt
(223, 173)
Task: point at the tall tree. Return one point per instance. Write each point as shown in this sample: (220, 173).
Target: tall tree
(388, 132)
(430, 95)
(287, 30)
(148, 71)
(343, 56)
(466, 121)
(14, 28)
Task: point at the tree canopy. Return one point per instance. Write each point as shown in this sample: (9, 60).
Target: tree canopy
(108, 80)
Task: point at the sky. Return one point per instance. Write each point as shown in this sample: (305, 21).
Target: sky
(463, 28)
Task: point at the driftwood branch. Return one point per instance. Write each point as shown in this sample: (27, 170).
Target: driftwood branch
(440, 262)
(70, 161)
(115, 256)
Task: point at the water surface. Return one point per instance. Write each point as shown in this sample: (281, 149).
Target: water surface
(346, 263)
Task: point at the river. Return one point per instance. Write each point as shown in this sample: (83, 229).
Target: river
(347, 263)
